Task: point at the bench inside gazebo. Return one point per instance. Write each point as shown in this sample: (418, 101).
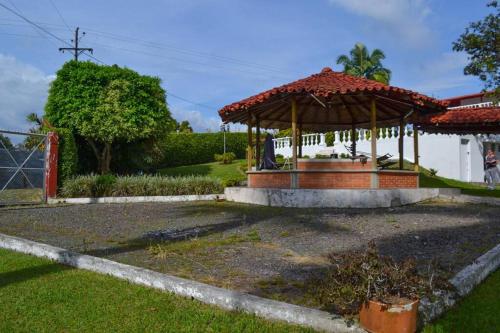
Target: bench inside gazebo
(330, 101)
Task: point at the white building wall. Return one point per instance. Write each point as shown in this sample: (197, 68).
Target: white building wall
(438, 151)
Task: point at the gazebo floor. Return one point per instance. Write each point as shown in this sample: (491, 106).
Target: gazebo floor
(330, 198)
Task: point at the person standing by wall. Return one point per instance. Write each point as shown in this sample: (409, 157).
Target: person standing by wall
(491, 170)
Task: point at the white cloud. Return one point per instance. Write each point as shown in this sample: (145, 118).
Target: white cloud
(23, 89)
(198, 121)
(405, 19)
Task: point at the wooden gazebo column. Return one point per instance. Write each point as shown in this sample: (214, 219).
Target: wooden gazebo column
(300, 139)
(294, 134)
(353, 138)
(257, 143)
(401, 142)
(415, 149)
(250, 143)
(373, 137)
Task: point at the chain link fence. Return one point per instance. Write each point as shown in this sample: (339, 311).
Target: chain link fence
(22, 167)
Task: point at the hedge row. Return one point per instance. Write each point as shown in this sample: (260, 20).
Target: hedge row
(109, 185)
(67, 165)
(195, 148)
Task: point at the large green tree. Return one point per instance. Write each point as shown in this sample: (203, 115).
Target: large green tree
(107, 105)
(481, 41)
(184, 127)
(360, 62)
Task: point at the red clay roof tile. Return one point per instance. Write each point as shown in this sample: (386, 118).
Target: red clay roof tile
(328, 83)
(465, 116)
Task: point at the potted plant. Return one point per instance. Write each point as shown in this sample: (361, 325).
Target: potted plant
(384, 293)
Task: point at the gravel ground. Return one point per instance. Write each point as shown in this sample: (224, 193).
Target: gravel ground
(262, 250)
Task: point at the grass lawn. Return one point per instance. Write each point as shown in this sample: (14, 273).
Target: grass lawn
(426, 180)
(21, 195)
(228, 173)
(37, 295)
(479, 312)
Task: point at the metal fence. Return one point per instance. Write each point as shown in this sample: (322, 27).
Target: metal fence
(22, 167)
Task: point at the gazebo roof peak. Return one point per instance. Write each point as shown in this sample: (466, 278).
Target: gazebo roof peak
(327, 99)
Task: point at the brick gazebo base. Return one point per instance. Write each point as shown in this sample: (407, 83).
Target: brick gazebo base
(332, 174)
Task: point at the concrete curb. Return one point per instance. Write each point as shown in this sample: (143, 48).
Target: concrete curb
(172, 198)
(464, 281)
(227, 299)
(475, 273)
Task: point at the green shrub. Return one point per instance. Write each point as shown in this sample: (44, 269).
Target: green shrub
(329, 138)
(67, 165)
(108, 185)
(344, 155)
(226, 158)
(80, 186)
(320, 156)
(433, 172)
(103, 185)
(196, 148)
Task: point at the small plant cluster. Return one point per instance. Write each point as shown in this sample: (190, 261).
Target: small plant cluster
(109, 185)
(357, 277)
(226, 158)
(345, 156)
(433, 172)
(323, 157)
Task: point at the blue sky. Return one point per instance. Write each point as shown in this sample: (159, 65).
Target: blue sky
(214, 52)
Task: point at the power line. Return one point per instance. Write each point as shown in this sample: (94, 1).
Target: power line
(76, 50)
(37, 31)
(44, 30)
(183, 60)
(195, 53)
(189, 101)
(34, 24)
(60, 15)
(185, 51)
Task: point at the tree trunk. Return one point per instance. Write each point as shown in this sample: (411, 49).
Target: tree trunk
(103, 156)
(106, 167)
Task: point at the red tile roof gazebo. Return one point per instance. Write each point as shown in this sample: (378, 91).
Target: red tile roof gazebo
(330, 101)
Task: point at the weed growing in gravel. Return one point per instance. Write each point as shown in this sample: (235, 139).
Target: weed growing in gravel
(391, 220)
(201, 244)
(285, 234)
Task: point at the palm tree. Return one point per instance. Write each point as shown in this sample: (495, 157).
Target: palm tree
(362, 63)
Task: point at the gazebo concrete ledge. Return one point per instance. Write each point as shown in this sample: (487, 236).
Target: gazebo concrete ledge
(330, 198)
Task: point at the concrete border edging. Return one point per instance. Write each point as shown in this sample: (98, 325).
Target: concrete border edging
(475, 273)
(464, 281)
(137, 199)
(227, 299)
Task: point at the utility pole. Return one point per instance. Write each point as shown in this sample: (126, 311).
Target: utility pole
(75, 50)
